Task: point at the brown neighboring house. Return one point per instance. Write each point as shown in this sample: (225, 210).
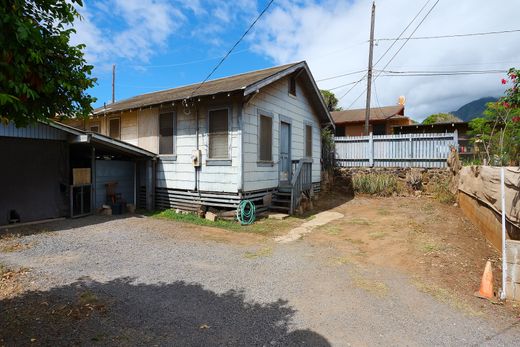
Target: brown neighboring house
(382, 120)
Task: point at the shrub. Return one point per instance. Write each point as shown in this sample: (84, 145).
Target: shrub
(440, 189)
(376, 184)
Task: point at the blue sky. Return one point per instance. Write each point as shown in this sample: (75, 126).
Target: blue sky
(161, 44)
(191, 41)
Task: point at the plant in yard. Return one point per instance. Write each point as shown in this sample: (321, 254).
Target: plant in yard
(376, 184)
(328, 149)
(441, 118)
(497, 134)
(331, 101)
(42, 76)
(414, 179)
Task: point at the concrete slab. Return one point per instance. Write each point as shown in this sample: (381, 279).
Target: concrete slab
(320, 219)
(277, 216)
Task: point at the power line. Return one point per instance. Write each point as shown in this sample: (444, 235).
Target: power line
(452, 35)
(389, 48)
(342, 75)
(232, 48)
(400, 48)
(347, 84)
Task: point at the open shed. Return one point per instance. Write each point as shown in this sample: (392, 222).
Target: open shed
(39, 177)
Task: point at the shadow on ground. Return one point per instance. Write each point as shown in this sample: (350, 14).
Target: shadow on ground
(62, 224)
(122, 312)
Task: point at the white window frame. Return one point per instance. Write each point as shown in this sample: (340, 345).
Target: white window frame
(267, 114)
(174, 139)
(224, 161)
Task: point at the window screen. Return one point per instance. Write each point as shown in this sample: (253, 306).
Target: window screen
(266, 138)
(114, 128)
(308, 141)
(292, 86)
(166, 129)
(218, 134)
(94, 128)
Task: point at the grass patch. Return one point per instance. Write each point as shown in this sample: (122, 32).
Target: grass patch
(263, 226)
(383, 212)
(377, 235)
(331, 229)
(342, 260)
(376, 184)
(359, 221)
(15, 247)
(445, 296)
(263, 252)
(429, 247)
(355, 241)
(440, 189)
(88, 298)
(372, 286)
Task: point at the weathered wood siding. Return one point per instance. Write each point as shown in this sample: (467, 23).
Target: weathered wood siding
(276, 101)
(177, 172)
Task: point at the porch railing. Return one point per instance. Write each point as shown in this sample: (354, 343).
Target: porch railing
(301, 182)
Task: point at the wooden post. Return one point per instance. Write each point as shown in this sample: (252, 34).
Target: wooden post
(371, 149)
(149, 185)
(410, 152)
(456, 139)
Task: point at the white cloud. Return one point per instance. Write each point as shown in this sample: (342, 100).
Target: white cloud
(331, 35)
(128, 29)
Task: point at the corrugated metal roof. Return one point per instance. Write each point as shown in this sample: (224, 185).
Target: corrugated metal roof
(376, 113)
(221, 85)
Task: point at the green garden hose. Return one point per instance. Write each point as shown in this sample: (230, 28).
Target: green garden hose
(246, 212)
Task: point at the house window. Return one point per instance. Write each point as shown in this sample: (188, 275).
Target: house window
(308, 141)
(114, 128)
(166, 133)
(340, 130)
(94, 127)
(292, 86)
(218, 132)
(379, 129)
(266, 138)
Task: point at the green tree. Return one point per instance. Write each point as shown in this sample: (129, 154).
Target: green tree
(497, 134)
(330, 100)
(41, 75)
(441, 118)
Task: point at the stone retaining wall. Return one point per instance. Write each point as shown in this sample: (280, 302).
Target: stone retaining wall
(428, 177)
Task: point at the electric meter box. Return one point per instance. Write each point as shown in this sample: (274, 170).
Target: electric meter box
(196, 157)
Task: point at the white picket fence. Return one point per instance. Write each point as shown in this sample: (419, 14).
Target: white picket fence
(403, 150)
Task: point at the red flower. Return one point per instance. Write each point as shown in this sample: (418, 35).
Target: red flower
(505, 104)
(516, 119)
(504, 81)
(513, 76)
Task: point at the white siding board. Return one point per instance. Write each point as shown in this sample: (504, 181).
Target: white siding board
(276, 100)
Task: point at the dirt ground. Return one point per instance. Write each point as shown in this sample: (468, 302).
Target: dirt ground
(431, 241)
(406, 267)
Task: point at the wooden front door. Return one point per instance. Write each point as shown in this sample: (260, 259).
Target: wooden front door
(285, 153)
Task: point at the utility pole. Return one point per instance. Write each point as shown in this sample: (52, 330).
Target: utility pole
(113, 83)
(369, 74)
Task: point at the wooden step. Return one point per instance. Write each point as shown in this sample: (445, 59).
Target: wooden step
(283, 194)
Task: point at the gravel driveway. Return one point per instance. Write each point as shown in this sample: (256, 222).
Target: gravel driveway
(143, 281)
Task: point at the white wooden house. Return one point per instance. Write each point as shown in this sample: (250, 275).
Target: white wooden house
(234, 138)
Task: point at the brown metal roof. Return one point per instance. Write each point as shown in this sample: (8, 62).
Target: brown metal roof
(376, 113)
(221, 85)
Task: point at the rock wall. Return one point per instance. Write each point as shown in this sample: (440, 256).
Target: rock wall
(416, 179)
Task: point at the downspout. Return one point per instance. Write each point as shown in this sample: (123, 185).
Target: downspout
(197, 145)
(241, 149)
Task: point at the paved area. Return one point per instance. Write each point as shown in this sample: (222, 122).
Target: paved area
(143, 281)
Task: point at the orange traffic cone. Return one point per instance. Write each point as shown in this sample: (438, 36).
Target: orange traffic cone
(486, 285)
